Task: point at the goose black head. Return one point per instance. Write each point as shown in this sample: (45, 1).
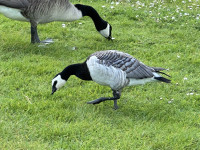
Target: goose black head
(57, 83)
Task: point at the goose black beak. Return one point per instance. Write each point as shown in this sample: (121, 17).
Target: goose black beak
(53, 90)
(110, 38)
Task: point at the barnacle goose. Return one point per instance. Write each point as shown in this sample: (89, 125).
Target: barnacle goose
(45, 11)
(110, 68)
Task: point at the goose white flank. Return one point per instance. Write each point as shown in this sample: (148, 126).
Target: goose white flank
(110, 68)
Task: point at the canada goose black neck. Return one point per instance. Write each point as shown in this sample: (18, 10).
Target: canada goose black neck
(79, 70)
(100, 24)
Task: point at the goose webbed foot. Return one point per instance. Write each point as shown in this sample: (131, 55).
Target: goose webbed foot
(116, 96)
(99, 100)
(47, 41)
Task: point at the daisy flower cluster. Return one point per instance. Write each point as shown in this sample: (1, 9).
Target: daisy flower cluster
(164, 10)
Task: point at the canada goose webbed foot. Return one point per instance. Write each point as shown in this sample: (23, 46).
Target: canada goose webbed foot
(116, 96)
(102, 99)
(99, 100)
(47, 41)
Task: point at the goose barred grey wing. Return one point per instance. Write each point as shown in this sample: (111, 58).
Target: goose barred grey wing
(127, 63)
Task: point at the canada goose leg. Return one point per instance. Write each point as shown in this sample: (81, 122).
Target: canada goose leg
(115, 105)
(116, 96)
(35, 37)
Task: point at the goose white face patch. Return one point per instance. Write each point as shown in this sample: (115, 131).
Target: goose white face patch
(105, 32)
(58, 81)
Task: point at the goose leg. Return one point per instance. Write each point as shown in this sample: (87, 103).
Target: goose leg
(35, 37)
(116, 96)
(115, 104)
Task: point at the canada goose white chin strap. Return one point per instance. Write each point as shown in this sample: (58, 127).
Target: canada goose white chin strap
(106, 32)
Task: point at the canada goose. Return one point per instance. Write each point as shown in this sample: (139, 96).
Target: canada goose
(111, 68)
(45, 11)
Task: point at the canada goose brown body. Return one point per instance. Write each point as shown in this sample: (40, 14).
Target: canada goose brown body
(45, 11)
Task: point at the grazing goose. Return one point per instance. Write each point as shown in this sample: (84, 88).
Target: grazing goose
(45, 11)
(111, 68)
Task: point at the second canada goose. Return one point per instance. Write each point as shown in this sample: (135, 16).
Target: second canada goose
(111, 68)
(45, 11)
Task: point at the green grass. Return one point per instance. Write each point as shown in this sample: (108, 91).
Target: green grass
(150, 117)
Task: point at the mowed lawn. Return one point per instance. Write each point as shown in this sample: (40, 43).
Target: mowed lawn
(150, 117)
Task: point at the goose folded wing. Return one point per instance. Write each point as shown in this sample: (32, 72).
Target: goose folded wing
(127, 63)
(134, 68)
(18, 4)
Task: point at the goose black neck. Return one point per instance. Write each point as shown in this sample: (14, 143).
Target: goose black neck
(79, 70)
(86, 10)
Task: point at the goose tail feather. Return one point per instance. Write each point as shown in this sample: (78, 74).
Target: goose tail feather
(162, 79)
(163, 73)
(159, 70)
